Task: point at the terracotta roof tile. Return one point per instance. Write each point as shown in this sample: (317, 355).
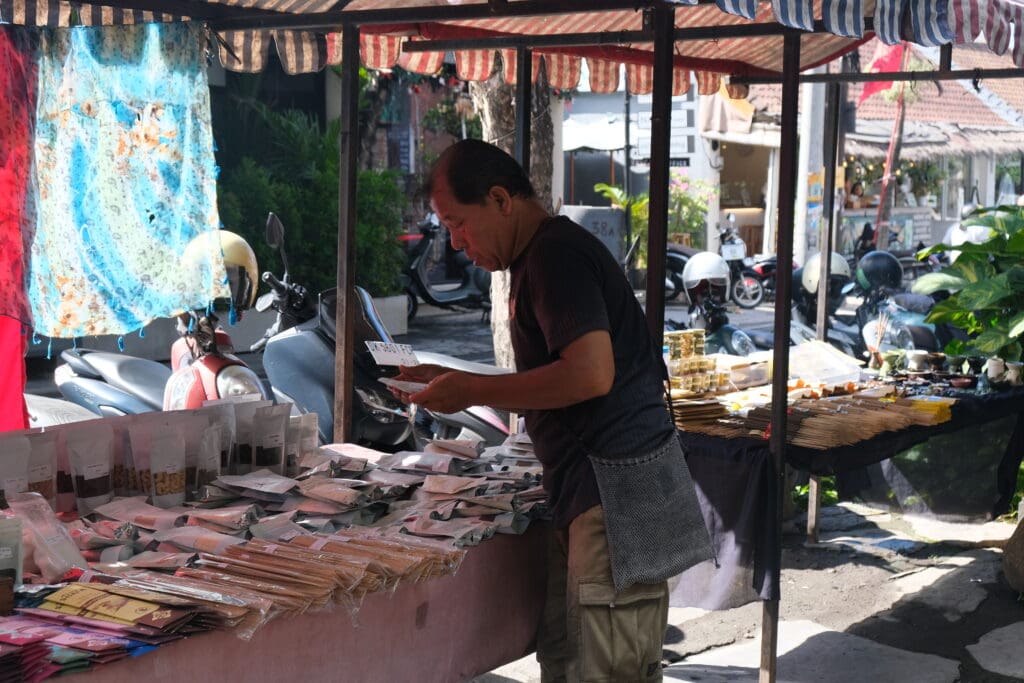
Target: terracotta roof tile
(953, 103)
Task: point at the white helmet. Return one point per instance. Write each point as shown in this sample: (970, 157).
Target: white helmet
(838, 269)
(708, 272)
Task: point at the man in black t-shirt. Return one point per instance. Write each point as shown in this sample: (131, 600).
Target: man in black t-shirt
(589, 382)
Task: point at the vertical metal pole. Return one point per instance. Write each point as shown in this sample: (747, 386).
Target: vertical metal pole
(832, 122)
(946, 57)
(784, 297)
(626, 180)
(348, 150)
(832, 118)
(663, 16)
(524, 106)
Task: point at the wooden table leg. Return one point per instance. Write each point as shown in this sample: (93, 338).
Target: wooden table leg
(813, 508)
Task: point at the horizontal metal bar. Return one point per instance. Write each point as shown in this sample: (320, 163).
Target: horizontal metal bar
(759, 30)
(502, 42)
(334, 19)
(194, 9)
(911, 76)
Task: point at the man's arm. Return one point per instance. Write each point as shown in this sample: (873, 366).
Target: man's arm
(585, 369)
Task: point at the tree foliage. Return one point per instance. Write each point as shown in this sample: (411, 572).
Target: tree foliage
(987, 285)
(292, 170)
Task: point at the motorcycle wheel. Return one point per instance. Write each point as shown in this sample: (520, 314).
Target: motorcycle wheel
(412, 305)
(747, 291)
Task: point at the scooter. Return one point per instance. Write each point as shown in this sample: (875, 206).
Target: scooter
(854, 335)
(298, 357)
(473, 291)
(746, 288)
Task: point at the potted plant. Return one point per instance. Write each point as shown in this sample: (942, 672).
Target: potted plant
(986, 282)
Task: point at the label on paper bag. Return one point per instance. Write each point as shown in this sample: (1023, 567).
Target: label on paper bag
(392, 354)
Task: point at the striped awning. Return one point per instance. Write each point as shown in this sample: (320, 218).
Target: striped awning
(927, 22)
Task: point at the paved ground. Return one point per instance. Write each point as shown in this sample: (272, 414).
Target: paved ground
(855, 611)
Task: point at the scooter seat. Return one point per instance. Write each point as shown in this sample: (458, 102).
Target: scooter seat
(915, 303)
(136, 376)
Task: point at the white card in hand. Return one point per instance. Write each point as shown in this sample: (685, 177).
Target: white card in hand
(407, 387)
(392, 354)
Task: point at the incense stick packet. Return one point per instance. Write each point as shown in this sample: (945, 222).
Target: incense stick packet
(54, 553)
(245, 413)
(15, 451)
(90, 451)
(139, 513)
(321, 488)
(433, 463)
(222, 414)
(207, 460)
(270, 427)
(196, 539)
(167, 464)
(42, 465)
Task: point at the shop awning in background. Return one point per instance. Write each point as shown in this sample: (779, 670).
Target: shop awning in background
(593, 131)
(926, 22)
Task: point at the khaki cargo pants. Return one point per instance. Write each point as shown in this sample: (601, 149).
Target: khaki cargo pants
(590, 633)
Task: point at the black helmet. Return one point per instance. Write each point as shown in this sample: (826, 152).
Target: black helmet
(878, 269)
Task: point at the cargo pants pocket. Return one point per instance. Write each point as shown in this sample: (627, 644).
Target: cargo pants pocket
(621, 634)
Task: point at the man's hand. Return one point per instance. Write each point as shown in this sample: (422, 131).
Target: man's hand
(447, 393)
(416, 373)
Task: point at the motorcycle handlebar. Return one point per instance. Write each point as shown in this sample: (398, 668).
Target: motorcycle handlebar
(275, 284)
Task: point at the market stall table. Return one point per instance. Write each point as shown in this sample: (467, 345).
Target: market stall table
(734, 478)
(446, 629)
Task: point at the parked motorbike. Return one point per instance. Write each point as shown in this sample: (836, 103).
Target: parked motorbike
(473, 292)
(765, 266)
(675, 261)
(745, 288)
(298, 357)
(886, 318)
(706, 282)
(203, 368)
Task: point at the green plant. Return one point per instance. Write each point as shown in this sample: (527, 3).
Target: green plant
(926, 176)
(296, 177)
(987, 285)
(639, 212)
(452, 116)
(827, 486)
(688, 207)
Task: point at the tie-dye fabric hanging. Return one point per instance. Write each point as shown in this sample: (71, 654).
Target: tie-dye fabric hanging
(17, 113)
(125, 178)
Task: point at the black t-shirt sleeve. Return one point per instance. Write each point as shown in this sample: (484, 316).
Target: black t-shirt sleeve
(566, 292)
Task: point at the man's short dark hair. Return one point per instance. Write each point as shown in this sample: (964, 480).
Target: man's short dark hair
(473, 167)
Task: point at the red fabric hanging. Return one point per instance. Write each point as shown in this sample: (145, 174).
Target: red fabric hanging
(17, 115)
(13, 414)
(17, 112)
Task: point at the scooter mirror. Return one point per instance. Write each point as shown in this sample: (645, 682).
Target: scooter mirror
(264, 302)
(275, 230)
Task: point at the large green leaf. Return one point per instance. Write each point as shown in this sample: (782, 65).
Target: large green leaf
(973, 266)
(1017, 325)
(984, 293)
(950, 311)
(937, 282)
(990, 341)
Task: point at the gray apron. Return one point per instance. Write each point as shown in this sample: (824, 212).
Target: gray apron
(653, 520)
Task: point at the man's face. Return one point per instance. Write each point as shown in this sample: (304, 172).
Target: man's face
(474, 228)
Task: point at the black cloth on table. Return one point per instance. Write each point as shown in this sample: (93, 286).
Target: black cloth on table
(735, 484)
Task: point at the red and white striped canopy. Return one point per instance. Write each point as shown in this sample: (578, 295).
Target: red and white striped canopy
(999, 22)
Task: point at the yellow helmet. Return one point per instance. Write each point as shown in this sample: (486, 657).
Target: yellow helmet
(239, 262)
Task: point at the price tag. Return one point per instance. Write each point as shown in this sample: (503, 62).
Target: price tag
(392, 354)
